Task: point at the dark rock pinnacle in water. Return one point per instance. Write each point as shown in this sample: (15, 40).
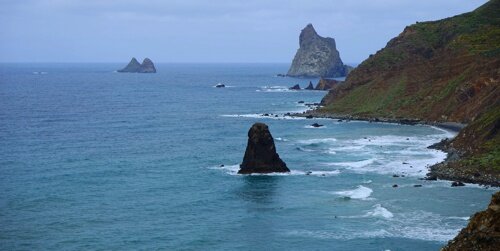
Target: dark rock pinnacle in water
(260, 155)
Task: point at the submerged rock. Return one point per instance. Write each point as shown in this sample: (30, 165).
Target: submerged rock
(457, 184)
(482, 232)
(260, 155)
(317, 57)
(133, 66)
(295, 87)
(316, 125)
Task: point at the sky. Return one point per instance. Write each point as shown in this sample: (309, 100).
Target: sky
(245, 31)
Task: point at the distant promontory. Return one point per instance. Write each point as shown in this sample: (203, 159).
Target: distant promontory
(317, 57)
(134, 66)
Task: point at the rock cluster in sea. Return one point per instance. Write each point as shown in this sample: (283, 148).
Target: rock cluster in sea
(260, 155)
(482, 232)
(134, 66)
(317, 57)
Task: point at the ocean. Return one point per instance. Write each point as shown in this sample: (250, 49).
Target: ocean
(91, 159)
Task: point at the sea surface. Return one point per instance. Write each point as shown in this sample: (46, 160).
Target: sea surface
(91, 159)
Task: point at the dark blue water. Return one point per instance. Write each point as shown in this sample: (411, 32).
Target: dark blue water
(92, 159)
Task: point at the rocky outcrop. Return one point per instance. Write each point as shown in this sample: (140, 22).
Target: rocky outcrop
(326, 84)
(133, 66)
(483, 231)
(310, 86)
(260, 155)
(147, 66)
(316, 57)
(295, 87)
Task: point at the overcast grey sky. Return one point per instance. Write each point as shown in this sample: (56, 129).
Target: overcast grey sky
(203, 31)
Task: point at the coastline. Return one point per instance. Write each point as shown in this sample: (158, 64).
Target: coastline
(449, 169)
(451, 126)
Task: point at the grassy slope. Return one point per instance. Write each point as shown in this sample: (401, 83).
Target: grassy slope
(446, 70)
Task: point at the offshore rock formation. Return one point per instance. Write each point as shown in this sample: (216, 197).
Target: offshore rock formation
(326, 84)
(147, 66)
(295, 87)
(482, 232)
(310, 86)
(440, 71)
(260, 155)
(317, 57)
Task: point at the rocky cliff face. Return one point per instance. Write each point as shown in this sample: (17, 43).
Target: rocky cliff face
(316, 57)
(147, 66)
(483, 231)
(446, 70)
(260, 155)
(326, 84)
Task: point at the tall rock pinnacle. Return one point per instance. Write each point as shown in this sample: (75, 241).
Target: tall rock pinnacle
(260, 155)
(316, 57)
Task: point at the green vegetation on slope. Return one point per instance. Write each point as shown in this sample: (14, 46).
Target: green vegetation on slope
(446, 70)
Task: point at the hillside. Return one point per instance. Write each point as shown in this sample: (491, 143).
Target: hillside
(439, 71)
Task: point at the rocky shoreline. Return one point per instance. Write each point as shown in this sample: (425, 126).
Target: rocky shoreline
(452, 126)
(450, 169)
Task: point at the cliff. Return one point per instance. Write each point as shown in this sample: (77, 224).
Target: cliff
(482, 232)
(326, 84)
(317, 57)
(440, 71)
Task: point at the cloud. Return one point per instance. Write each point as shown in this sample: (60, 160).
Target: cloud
(195, 30)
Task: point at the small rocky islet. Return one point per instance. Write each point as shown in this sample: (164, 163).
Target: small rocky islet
(134, 66)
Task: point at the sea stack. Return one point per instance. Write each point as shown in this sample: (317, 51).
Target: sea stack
(482, 232)
(317, 57)
(134, 66)
(260, 155)
(310, 86)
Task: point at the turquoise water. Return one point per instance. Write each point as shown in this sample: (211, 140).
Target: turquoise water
(92, 159)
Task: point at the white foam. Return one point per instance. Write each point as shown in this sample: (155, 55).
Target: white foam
(354, 164)
(317, 141)
(361, 193)
(312, 127)
(233, 170)
(379, 211)
(417, 225)
(281, 139)
(261, 116)
(274, 88)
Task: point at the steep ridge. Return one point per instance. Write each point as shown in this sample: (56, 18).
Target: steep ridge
(445, 70)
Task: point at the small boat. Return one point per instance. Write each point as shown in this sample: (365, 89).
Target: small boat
(219, 85)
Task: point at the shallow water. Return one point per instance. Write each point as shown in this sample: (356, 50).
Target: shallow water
(92, 159)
